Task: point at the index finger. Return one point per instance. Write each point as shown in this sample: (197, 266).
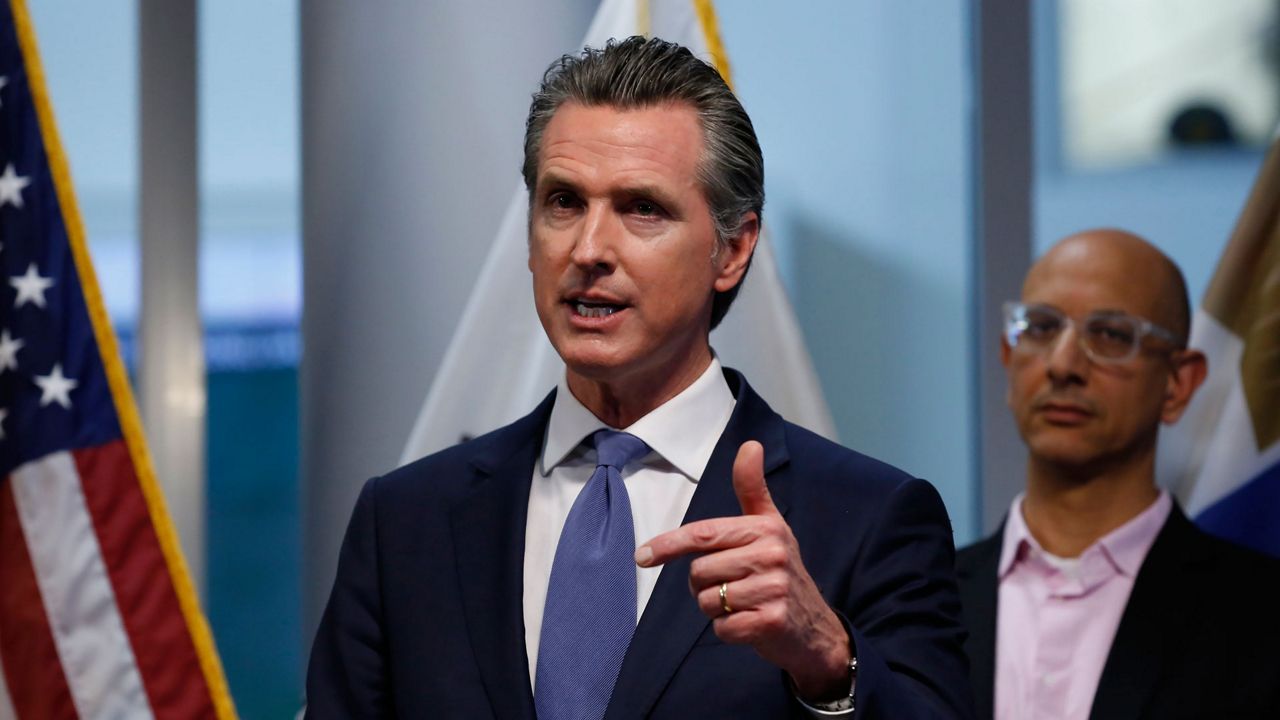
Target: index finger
(700, 536)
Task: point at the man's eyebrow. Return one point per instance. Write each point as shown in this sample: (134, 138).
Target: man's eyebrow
(553, 179)
(556, 181)
(645, 190)
(1095, 311)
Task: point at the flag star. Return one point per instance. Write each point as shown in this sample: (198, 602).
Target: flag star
(56, 387)
(30, 287)
(9, 348)
(11, 184)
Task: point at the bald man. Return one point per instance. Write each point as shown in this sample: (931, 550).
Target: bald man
(1097, 598)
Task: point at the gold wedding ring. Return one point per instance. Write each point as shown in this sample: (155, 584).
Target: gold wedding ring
(724, 598)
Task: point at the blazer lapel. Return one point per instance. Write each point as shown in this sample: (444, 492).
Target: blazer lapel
(672, 622)
(488, 531)
(1163, 599)
(979, 591)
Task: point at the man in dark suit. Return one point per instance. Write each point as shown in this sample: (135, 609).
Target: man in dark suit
(1097, 598)
(546, 569)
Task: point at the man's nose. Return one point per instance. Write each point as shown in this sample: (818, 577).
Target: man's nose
(1066, 360)
(595, 247)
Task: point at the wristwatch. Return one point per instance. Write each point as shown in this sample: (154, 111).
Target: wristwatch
(839, 706)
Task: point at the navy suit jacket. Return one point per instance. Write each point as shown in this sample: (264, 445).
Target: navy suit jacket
(1197, 639)
(426, 615)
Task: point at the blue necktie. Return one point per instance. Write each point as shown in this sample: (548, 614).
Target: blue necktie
(590, 613)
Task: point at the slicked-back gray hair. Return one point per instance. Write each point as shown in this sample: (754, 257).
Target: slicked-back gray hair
(638, 73)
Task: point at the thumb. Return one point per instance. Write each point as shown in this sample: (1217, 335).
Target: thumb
(748, 480)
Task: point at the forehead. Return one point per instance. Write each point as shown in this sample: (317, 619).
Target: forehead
(660, 144)
(1085, 278)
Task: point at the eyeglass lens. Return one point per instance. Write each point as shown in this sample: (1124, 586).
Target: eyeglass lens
(1108, 336)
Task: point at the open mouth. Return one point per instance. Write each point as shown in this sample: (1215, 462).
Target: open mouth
(594, 309)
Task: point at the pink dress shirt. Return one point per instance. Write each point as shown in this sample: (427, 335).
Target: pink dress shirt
(1057, 616)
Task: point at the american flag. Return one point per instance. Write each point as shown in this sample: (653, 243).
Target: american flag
(98, 618)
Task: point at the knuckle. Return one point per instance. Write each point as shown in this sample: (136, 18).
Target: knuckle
(773, 555)
(771, 525)
(776, 586)
(778, 528)
(728, 629)
(773, 618)
(703, 533)
(769, 556)
(698, 572)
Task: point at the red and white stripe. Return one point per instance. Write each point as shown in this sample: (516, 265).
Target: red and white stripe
(90, 625)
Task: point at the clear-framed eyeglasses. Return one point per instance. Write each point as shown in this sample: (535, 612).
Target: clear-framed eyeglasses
(1106, 337)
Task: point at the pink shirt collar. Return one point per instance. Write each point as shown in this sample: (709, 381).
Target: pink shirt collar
(1122, 549)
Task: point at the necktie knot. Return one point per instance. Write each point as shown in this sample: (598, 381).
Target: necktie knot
(616, 449)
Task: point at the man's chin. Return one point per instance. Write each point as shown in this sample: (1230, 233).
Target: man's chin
(594, 364)
(1065, 449)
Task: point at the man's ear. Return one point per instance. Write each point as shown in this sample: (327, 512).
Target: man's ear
(1190, 367)
(732, 259)
(1005, 355)
(528, 239)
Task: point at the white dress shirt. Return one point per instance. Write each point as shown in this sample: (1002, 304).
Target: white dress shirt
(681, 434)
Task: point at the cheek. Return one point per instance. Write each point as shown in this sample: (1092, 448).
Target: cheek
(1024, 379)
(670, 281)
(543, 266)
(1145, 408)
(539, 274)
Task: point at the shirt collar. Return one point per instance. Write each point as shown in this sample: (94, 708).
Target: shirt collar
(684, 430)
(1126, 546)
(1016, 535)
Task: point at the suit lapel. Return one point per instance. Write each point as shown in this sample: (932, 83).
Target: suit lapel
(979, 592)
(488, 531)
(672, 622)
(1163, 599)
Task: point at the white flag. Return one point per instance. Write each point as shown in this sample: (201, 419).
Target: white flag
(500, 363)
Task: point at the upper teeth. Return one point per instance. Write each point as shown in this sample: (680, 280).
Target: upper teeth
(586, 310)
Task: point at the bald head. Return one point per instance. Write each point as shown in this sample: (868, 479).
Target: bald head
(1143, 280)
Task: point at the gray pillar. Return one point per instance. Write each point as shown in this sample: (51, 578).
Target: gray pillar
(412, 123)
(171, 371)
(1003, 161)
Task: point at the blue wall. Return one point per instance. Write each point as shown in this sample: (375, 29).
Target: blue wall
(863, 110)
(1187, 205)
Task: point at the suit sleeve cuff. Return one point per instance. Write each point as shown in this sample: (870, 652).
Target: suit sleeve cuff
(843, 707)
